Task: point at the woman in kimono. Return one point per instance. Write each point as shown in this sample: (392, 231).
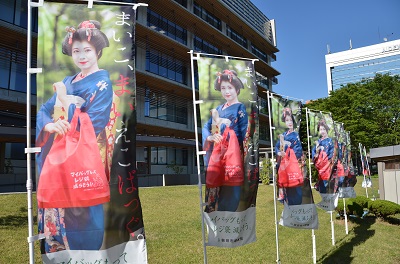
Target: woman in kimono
(90, 90)
(289, 139)
(228, 123)
(322, 155)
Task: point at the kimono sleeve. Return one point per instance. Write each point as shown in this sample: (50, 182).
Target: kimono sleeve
(44, 117)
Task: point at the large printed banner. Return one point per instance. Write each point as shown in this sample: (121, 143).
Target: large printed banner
(294, 188)
(367, 183)
(229, 118)
(325, 157)
(339, 171)
(346, 189)
(89, 209)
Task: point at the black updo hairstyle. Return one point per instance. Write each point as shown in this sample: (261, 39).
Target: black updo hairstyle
(88, 30)
(230, 76)
(322, 122)
(288, 112)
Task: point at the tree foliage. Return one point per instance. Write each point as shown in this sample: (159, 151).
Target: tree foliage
(369, 109)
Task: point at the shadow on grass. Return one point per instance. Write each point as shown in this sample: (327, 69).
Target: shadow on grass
(16, 220)
(392, 220)
(342, 254)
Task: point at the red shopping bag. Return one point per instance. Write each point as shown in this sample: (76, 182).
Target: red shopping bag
(233, 160)
(214, 172)
(73, 174)
(226, 163)
(289, 172)
(323, 166)
(339, 169)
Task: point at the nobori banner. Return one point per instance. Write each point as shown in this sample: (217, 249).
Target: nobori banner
(229, 118)
(89, 209)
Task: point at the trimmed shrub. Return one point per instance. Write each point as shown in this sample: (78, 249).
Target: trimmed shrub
(383, 208)
(340, 208)
(354, 206)
(356, 209)
(363, 201)
(266, 171)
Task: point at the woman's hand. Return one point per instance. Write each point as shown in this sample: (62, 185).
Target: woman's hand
(60, 127)
(61, 90)
(216, 138)
(281, 154)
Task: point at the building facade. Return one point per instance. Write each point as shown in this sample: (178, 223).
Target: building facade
(165, 33)
(354, 65)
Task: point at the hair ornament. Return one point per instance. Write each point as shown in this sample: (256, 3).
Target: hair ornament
(89, 26)
(226, 72)
(70, 33)
(287, 110)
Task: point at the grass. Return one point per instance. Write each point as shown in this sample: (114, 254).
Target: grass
(173, 231)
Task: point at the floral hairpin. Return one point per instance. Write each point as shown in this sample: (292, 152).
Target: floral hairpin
(227, 72)
(89, 26)
(287, 110)
(70, 33)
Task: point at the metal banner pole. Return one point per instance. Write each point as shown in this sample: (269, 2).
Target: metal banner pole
(314, 245)
(29, 150)
(333, 229)
(273, 177)
(198, 153)
(345, 216)
(362, 167)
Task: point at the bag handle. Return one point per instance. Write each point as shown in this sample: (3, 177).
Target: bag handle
(74, 121)
(87, 130)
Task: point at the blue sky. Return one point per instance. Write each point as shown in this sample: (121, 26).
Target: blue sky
(305, 28)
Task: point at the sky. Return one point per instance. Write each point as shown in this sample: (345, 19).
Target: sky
(305, 28)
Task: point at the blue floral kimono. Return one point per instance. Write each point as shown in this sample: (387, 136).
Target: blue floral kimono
(328, 147)
(74, 228)
(293, 195)
(225, 198)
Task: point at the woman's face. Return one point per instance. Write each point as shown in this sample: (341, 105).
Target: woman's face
(84, 56)
(289, 122)
(323, 132)
(228, 91)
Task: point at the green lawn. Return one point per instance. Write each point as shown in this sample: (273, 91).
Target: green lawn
(173, 230)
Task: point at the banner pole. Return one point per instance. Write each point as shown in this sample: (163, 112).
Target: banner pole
(345, 216)
(362, 167)
(195, 102)
(333, 229)
(274, 178)
(29, 183)
(369, 174)
(314, 245)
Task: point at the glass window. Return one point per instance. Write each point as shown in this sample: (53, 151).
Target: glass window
(164, 26)
(364, 70)
(21, 14)
(18, 77)
(15, 151)
(204, 46)
(7, 10)
(182, 2)
(165, 66)
(184, 157)
(178, 158)
(207, 16)
(165, 106)
(4, 73)
(154, 158)
(171, 156)
(162, 155)
(236, 36)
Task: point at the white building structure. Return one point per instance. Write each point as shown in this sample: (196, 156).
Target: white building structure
(354, 65)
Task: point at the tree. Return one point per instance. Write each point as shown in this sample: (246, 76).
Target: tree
(369, 109)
